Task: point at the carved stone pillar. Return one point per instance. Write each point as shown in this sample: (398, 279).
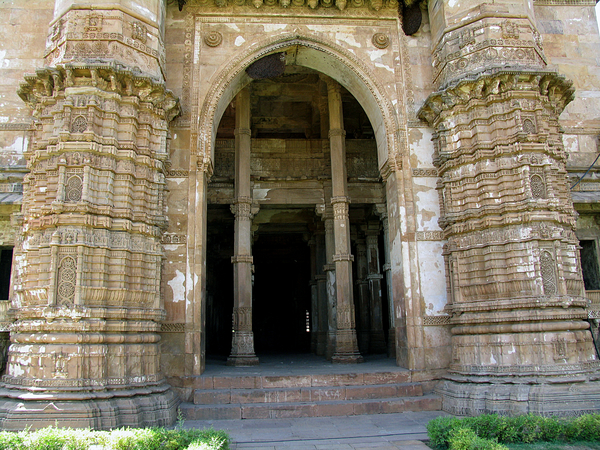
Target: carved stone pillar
(242, 345)
(314, 296)
(321, 278)
(326, 213)
(364, 316)
(381, 211)
(520, 340)
(346, 347)
(84, 347)
(377, 336)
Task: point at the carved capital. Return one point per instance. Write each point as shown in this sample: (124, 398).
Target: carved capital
(555, 88)
(46, 85)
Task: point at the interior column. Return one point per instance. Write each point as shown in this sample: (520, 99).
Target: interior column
(364, 317)
(381, 210)
(346, 347)
(377, 336)
(242, 343)
(321, 293)
(326, 213)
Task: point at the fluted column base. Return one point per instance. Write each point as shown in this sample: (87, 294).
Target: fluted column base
(242, 350)
(100, 410)
(466, 396)
(346, 351)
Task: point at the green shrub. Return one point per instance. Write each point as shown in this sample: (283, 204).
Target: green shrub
(120, 439)
(439, 429)
(520, 429)
(467, 439)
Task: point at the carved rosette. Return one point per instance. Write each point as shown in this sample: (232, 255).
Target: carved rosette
(514, 274)
(93, 204)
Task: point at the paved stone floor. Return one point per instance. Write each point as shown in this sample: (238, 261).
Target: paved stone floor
(379, 431)
(300, 364)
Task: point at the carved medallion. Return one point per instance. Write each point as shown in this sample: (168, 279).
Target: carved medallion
(213, 39)
(381, 40)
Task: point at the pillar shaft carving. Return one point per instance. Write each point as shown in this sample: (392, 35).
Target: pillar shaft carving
(346, 343)
(242, 345)
(515, 279)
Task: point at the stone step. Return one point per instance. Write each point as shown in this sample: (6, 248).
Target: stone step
(306, 394)
(428, 402)
(295, 381)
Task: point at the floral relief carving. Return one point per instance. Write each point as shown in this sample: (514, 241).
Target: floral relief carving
(67, 273)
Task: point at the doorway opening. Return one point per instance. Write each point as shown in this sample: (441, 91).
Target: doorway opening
(281, 294)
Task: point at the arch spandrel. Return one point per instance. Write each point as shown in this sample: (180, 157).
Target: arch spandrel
(318, 54)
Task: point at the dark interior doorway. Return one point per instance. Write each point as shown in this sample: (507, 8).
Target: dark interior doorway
(281, 294)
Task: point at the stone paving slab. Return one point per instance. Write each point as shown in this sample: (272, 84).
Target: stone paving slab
(403, 431)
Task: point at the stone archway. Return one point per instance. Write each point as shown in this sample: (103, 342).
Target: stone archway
(342, 67)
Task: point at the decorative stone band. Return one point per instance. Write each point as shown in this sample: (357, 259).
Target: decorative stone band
(566, 370)
(242, 208)
(430, 235)
(242, 132)
(425, 172)
(177, 174)
(536, 303)
(337, 132)
(513, 328)
(16, 126)
(125, 383)
(172, 327)
(341, 5)
(242, 259)
(436, 321)
(343, 257)
(174, 239)
(550, 85)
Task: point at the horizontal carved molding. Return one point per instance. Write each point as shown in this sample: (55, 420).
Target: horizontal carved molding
(564, 2)
(11, 187)
(178, 174)
(430, 235)
(15, 126)
(174, 239)
(424, 172)
(433, 321)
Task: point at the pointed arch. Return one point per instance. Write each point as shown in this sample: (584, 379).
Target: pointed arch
(318, 54)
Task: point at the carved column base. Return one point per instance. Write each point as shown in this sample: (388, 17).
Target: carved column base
(330, 347)
(377, 342)
(242, 349)
(464, 396)
(391, 344)
(346, 351)
(102, 410)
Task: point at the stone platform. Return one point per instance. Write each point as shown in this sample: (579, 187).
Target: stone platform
(306, 386)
